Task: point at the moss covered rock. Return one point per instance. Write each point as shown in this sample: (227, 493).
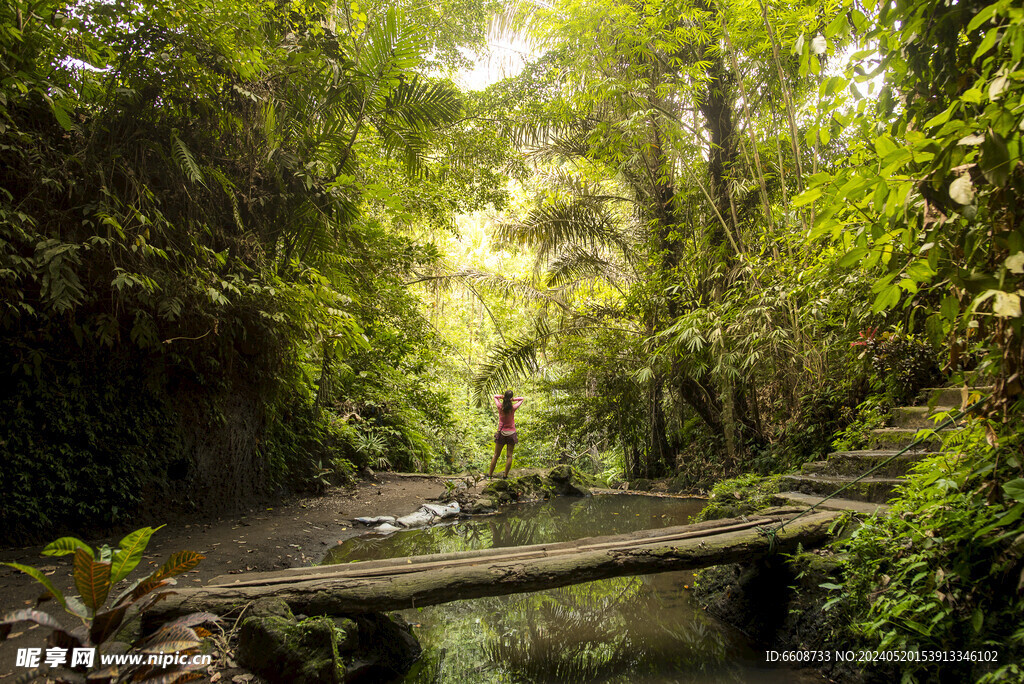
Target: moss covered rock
(741, 496)
(560, 482)
(277, 646)
(285, 650)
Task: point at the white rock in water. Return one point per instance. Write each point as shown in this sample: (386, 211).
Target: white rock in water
(376, 520)
(442, 511)
(387, 527)
(416, 519)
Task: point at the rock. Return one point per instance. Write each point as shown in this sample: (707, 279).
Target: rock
(641, 485)
(283, 650)
(448, 510)
(364, 648)
(680, 483)
(375, 520)
(500, 491)
(351, 641)
(529, 484)
(387, 649)
(559, 482)
(482, 506)
(387, 527)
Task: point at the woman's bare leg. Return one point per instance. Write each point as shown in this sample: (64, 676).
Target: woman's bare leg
(494, 461)
(508, 464)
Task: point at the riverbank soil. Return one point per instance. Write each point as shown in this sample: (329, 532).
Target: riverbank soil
(292, 533)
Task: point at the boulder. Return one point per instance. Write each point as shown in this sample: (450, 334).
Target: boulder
(275, 645)
(560, 482)
(285, 650)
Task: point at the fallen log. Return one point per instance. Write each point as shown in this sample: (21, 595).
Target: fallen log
(503, 571)
(449, 560)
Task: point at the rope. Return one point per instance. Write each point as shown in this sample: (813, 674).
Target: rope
(772, 533)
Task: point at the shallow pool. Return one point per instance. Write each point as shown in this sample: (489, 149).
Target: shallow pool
(629, 629)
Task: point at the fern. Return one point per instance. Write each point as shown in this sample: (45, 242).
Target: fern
(185, 161)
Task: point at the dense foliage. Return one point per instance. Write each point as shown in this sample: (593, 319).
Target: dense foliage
(247, 247)
(203, 249)
(944, 569)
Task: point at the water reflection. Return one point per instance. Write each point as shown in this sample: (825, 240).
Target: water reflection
(628, 629)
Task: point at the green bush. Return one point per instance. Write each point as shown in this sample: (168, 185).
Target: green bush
(901, 366)
(808, 437)
(89, 449)
(740, 496)
(944, 570)
(872, 413)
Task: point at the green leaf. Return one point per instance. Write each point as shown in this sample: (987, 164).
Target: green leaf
(884, 146)
(995, 159)
(972, 96)
(38, 576)
(61, 115)
(941, 117)
(129, 553)
(806, 197)
(66, 545)
(917, 627)
(987, 43)
(1014, 489)
(977, 619)
(950, 308)
(838, 24)
(887, 298)
(981, 17)
(852, 257)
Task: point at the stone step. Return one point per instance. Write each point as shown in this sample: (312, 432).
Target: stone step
(870, 489)
(836, 504)
(856, 462)
(897, 438)
(955, 396)
(916, 416)
(973, 377)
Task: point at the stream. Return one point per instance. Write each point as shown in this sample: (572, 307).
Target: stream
(629, 629)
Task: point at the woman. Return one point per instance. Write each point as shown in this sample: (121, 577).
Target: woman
(506, 434)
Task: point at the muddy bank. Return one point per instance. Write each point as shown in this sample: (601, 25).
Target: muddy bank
(292, 533)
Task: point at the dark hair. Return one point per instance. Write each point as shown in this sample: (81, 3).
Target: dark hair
(506, 404)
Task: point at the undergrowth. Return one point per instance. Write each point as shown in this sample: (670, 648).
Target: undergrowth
(944, 570)
(740, 496)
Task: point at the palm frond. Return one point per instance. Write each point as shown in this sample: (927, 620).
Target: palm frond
(575, 222)
(577, 264)
(515, 359)
(391, 45)
(508, 288)
(409, 145)
(420, 105)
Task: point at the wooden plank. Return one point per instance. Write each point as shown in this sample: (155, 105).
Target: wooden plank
(430, 585)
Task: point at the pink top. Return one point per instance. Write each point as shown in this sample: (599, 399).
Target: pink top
(507, 421)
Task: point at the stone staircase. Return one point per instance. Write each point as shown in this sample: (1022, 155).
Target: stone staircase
(820, 478)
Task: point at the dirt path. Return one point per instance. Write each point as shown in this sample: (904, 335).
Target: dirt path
(294, 533)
